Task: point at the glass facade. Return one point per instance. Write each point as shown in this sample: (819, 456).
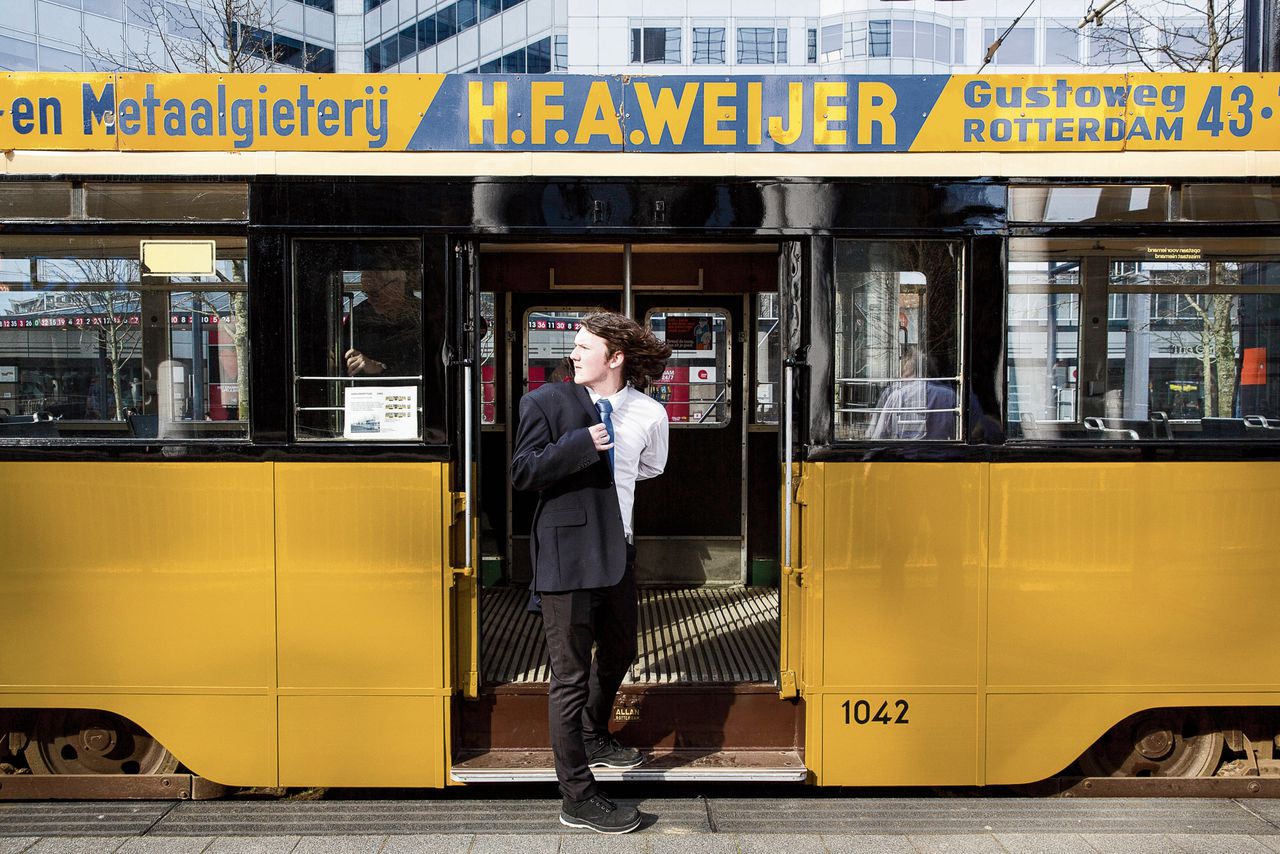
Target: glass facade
(414, 36)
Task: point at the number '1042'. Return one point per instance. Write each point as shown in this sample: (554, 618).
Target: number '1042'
(859, 712)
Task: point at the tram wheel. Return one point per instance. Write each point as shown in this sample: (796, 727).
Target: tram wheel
(1157, 743)
(82, 741)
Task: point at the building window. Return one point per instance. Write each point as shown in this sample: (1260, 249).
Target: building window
(811, 46)
(762, 45)
(562, 53)
(708, 45)
(1061, 45)
(879, 42)
(17, 55)
(655, 45)
(831, 46)
(535, 59)
(957, 53)
(538, 56)
(1018, 47)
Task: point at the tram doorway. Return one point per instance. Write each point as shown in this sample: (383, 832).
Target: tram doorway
(707, 530)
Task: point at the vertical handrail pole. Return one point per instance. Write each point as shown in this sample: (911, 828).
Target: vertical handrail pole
(626, 280)
(470, 337)
(789, 387)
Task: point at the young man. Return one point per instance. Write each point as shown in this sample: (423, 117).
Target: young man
(582, 446)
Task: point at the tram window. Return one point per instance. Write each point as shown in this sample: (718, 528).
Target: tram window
(1104, 203)
(359, 342)
(694, 387)
(1230, 202)
(1190, 360)
(90, 348)
(768, 340)
(897, 340)
(1043, 347)
(548, 341)
(1190, 348)
(198, 202)
(35, 200)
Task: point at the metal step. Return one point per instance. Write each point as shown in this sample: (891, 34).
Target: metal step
(723, 766)
(685, 636)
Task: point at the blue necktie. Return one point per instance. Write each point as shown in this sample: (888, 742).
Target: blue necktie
(606, 415)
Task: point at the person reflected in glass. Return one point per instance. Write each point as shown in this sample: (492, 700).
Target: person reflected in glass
(915, 407)
(385, 328)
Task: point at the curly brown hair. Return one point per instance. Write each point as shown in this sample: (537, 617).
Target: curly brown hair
(643, 355)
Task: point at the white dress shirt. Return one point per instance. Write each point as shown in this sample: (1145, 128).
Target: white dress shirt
(639, 444)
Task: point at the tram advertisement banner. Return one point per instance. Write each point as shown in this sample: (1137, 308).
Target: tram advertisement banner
(569, 113)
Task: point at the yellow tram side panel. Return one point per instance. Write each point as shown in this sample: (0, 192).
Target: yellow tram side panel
(146, 589)
(363, 623)
(896, 605)
(1118, 587)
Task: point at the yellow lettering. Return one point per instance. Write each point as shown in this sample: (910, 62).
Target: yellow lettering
(480, 112)
(599, 116)
(875, 107)
(540, 111)
(795, 117)
(755, 107)
(714, 113)
(824, 112)
(667, 113)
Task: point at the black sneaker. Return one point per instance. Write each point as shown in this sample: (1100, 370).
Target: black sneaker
(607, 753)
(600, 814)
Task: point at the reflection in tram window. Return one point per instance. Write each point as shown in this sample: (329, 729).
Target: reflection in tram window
(1190, 348)
(1043, 347)
(694, 387)
(1105, 203)
(91, 348)
(897, 340)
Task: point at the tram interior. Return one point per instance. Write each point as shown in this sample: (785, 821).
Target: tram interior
(707, 530)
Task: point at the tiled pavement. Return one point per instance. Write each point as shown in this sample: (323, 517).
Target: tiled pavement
(439, 825)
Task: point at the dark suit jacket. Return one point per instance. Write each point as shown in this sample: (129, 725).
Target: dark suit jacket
(577, 540)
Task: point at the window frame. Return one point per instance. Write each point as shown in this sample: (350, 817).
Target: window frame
(166, 434)
(1099, 294)
(962, 388)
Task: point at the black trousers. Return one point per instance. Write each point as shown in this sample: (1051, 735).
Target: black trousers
(583, 687)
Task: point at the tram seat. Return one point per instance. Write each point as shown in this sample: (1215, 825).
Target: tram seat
(144, 426)
(1154, 427)
(1041, 430)
(39, 425)
(1260, 424)
(1222, 428)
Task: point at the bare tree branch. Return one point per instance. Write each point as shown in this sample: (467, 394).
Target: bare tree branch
(204, 36)
(1171, 35)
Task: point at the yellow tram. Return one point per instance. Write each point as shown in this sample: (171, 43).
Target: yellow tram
(975, 422)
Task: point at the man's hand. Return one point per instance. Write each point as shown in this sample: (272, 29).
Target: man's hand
(600, 436)
(359, 363)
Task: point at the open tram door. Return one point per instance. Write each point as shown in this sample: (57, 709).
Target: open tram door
(796, 557)
(701, 700)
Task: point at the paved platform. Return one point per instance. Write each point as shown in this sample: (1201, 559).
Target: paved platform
(698, 825)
